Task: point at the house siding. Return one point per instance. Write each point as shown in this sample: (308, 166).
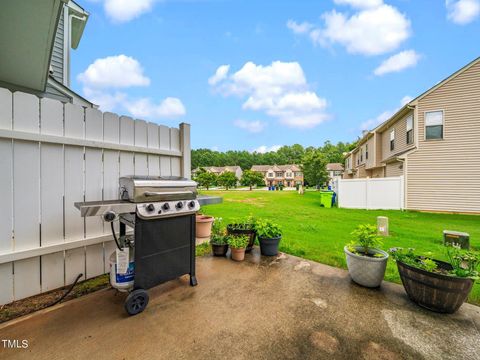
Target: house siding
(444, 175)
(401, 145)
(394, 169)
(57, 61)
(370, 162)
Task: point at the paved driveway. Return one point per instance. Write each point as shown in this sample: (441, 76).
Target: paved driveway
(275, 308)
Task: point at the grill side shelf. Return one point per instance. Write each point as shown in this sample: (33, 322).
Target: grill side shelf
(209, 200)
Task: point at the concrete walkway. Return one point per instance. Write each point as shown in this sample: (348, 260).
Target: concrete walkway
(270, 308)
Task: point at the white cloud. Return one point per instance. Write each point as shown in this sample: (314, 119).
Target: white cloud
(462, 11)
(264, 149)
(250, 126)
(406, 99)
(299, 28)
(145, 108)
(280, 90)
(220, 74)
(375, 29)
(105, 81)
(384, 116)
(121, 11)
(118, 71)
(362, 4)
(398, 62)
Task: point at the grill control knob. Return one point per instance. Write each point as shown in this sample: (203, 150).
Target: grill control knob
(166, 206)
(179, 205)
(150, 207)
(191, 204)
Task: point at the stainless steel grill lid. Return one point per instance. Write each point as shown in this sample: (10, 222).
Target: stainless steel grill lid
(139, 189)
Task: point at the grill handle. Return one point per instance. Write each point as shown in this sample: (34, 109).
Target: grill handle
(153, 193)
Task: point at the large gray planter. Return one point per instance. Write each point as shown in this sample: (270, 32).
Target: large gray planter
(364, 270)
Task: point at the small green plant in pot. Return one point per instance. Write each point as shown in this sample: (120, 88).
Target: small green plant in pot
(238, 245)
(218, 239)
(366, 262)
(269, 236)
(437, 285)
(246, 227)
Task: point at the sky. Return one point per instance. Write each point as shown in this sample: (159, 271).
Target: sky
(256, 75)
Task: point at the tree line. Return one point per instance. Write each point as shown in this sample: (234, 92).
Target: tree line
(288, 154)
(312, 160)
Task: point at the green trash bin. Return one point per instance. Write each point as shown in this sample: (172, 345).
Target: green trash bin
(326, 198)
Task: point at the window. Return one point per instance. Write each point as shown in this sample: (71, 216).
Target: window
(270, 174)
(361, 154)
(366, 151)
(410, 129)
(298, 173)
(434, 125)
(279, 174)
(392, 140)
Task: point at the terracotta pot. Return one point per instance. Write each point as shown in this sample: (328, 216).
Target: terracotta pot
(204, 226)
(238, 254)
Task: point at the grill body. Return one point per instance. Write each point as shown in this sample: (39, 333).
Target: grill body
(164, 249)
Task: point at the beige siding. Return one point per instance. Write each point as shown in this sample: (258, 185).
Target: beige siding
(370, 162)
(377, 172)
(401, 145)
(444, 175)
(361, 172)
(378, 149)
(394, 169)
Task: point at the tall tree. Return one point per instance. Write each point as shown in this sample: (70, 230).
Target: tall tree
(314, 166)
(251, 178)
(227, 180)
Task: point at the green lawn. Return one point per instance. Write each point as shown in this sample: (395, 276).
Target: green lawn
(320, 234)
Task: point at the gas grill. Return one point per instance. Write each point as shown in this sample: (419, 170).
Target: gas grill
(161, 212)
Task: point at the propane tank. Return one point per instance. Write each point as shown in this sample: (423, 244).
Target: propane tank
(122, 282)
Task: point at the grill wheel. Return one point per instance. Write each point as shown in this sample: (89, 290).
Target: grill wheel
(136, 301)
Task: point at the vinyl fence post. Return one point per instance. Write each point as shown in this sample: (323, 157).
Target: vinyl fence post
(185, 148)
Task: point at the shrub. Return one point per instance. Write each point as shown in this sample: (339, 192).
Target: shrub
(238, 242)
(365, 237)
(464, 263)
(267, 230)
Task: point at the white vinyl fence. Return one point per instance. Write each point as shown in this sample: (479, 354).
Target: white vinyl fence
(381, 193)
(52, 155)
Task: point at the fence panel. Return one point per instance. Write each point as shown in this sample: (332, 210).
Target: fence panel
(53, 155)
(382, 193)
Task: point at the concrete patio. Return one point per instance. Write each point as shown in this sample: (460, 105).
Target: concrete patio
(270, 308)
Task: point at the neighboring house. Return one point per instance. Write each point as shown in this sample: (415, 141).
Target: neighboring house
(335, 171)
(37, 36)
(286, 175)
(433, 142)
(217, 170)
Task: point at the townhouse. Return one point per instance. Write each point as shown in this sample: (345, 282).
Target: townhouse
(432, 142)
(335, 171)
(217, 170)
(285, 175)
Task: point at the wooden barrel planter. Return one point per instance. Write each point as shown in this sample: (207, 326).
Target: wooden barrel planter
(433, 291)
(231, 230)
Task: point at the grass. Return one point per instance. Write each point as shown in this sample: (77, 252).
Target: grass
(319, 234)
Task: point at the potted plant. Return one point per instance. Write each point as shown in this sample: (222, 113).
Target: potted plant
(269, 236)
(238, 245)
(219, 239)
(244, 227)
(203, 226)
(437, 285)
(365, 261)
